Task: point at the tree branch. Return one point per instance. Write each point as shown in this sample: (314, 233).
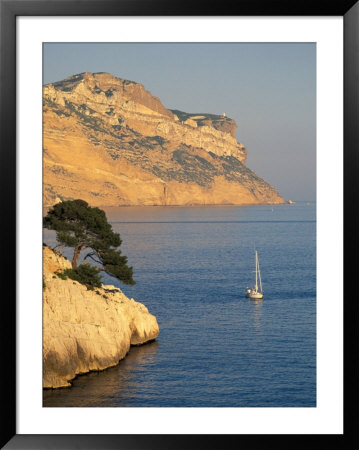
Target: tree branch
(90, 255)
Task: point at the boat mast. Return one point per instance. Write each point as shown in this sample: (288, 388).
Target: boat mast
(256, 285)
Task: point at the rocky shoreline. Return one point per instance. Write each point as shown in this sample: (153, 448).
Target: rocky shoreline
(86, 330)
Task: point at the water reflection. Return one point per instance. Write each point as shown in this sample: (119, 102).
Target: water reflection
(257, 312)
(112, 387)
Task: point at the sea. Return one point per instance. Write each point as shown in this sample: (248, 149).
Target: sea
(216, 347)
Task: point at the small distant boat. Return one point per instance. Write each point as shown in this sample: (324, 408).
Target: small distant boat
(257, 291)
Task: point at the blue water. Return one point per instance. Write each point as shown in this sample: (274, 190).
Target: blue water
(216, 348)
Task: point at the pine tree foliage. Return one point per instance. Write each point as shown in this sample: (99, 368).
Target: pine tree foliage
(83, 227)
(85, 274)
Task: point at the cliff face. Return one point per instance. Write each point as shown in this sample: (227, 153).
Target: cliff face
(110, 142)
(86, 330)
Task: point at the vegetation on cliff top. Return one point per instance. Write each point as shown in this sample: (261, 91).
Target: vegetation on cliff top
(83, 227)
(84, 274)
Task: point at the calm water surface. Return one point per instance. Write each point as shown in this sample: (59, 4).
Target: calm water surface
(216, 348)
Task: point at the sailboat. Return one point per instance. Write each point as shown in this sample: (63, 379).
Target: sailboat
(257, 291)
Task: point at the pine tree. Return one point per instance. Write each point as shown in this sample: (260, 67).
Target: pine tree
(83, 227)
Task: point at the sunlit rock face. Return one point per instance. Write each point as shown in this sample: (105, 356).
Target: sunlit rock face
(111, 142)
(86, 330)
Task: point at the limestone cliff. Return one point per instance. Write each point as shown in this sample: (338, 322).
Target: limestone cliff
(86, 330)
(110, 142)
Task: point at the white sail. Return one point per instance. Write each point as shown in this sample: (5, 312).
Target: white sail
(259, 275)
(256, 293)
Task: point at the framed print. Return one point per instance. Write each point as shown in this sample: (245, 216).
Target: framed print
(136, 213)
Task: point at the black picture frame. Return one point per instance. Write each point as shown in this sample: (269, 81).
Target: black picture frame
(9, 10)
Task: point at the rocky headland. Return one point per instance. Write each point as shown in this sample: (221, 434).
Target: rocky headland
(111, 142)
(86, 330)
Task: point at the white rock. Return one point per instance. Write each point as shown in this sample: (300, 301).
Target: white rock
(86, 330)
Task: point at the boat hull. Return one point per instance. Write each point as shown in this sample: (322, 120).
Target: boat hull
(256, 295)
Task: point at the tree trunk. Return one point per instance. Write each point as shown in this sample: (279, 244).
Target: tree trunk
(75, 258)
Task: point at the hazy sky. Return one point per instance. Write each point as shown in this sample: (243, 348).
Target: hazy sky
(268, 89)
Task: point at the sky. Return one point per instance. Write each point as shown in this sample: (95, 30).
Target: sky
(269, 89)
